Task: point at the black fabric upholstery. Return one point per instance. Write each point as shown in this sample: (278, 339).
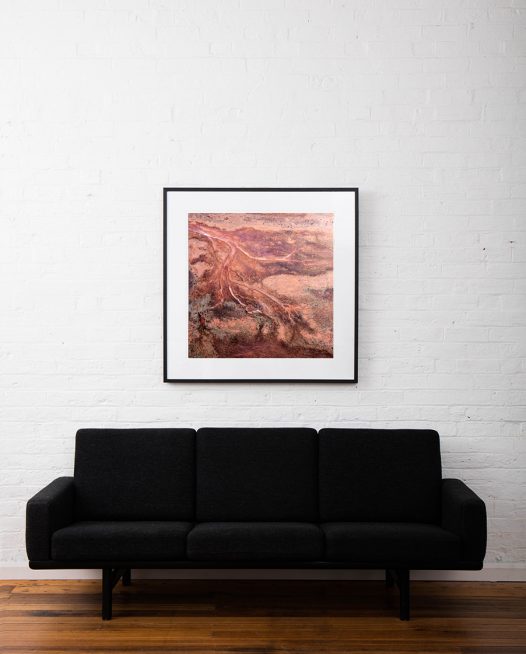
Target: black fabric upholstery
(381, 543)
(48, 510)
(464, 513)
(379, 475)
(256, 475)
(135, 474)
(363, 498)
(121, 541)
(255, 541)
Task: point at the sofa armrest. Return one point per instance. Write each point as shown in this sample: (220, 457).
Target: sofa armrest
(464, 513)
(48, 510)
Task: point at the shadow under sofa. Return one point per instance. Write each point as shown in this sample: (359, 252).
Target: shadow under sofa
(289, 498)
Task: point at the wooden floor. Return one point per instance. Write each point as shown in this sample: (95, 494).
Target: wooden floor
(262, 617)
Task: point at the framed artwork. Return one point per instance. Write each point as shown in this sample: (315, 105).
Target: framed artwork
(260, 284)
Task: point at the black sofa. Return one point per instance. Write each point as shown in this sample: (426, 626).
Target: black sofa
(256, 498)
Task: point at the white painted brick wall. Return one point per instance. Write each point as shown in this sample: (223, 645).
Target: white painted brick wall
(420, 103)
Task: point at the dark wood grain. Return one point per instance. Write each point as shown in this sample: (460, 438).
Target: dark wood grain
(262, 617)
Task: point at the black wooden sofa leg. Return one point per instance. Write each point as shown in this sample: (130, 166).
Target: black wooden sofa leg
(403, 585)
(110, 577)
(107, 587)
(400, 576)
(126, 577)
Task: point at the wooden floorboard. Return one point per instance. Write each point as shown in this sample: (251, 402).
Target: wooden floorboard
(262, 617)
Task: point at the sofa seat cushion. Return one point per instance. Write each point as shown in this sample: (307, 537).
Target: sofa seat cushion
(394, 543)
(121, 541)
(255, 541)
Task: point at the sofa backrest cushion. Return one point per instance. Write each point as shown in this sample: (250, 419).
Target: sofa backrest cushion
(370, 475)
(135, 474)
(256, 474)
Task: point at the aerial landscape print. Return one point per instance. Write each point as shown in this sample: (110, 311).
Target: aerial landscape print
(260, 285)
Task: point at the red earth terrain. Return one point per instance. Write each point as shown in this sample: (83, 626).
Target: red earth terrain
(260, 285)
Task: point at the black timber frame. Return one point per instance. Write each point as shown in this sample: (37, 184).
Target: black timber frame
(110, 578)
(112, 572)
